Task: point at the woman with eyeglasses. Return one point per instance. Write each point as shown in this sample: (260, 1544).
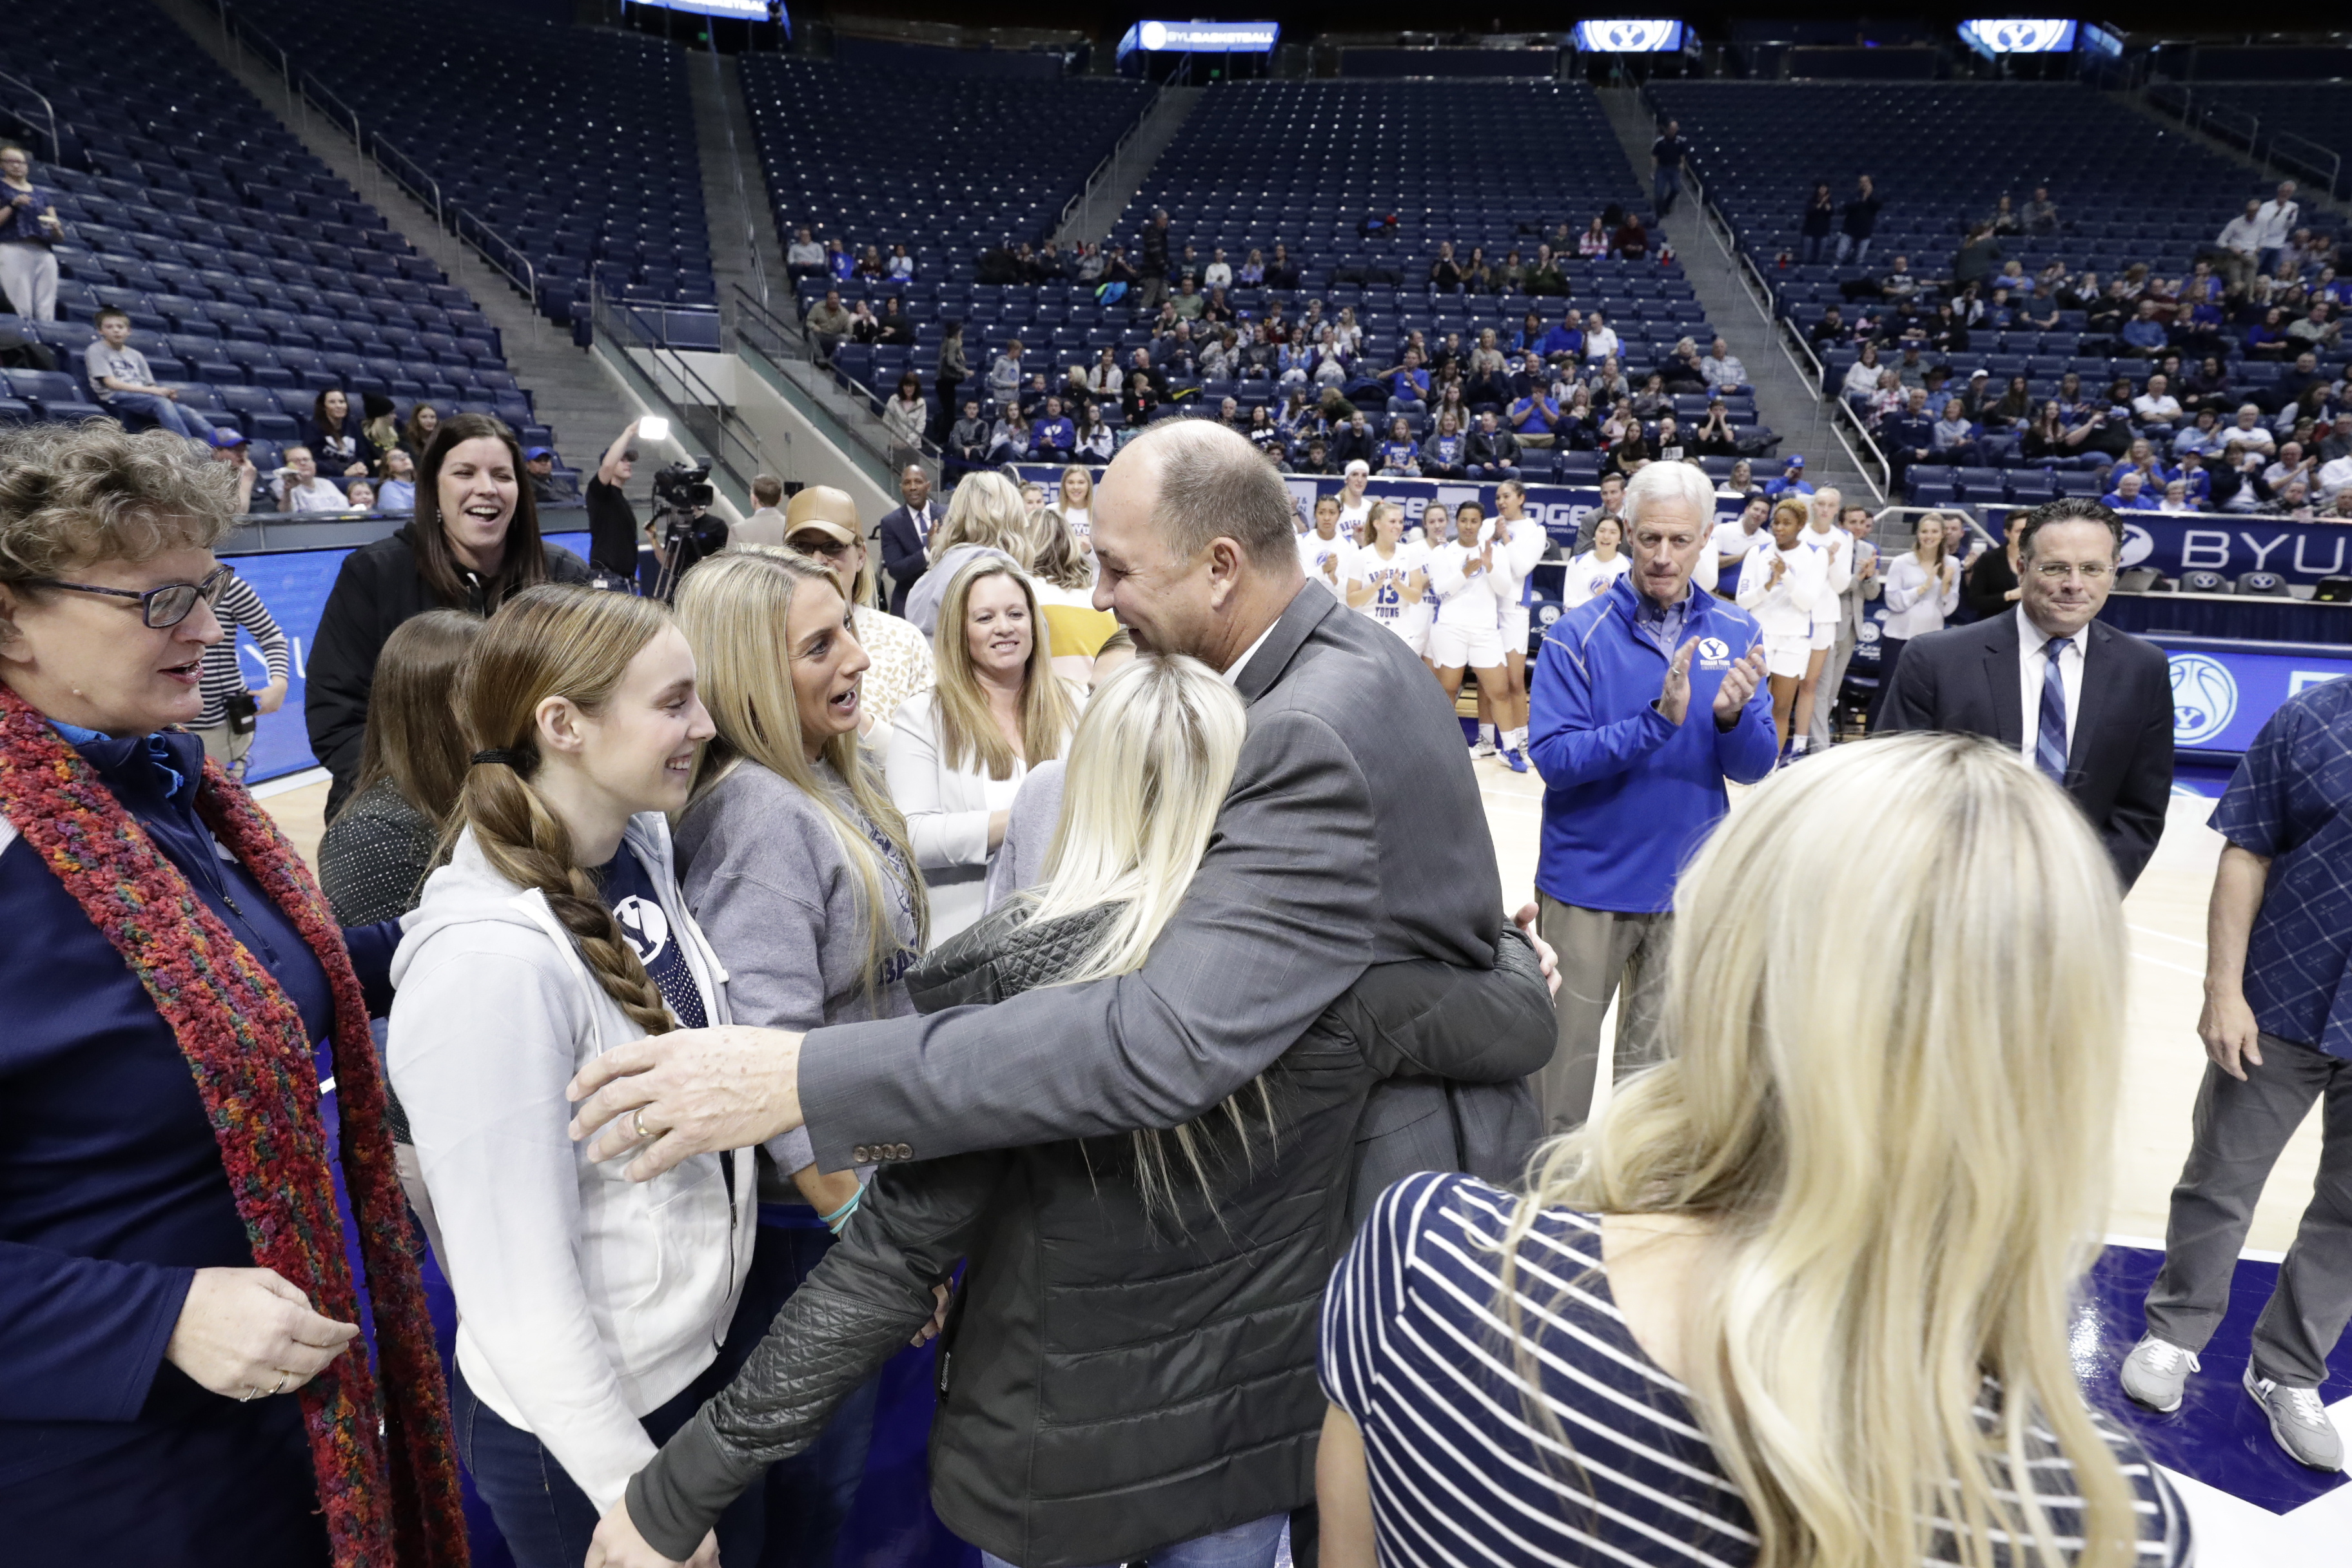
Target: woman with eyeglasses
(179, 1378)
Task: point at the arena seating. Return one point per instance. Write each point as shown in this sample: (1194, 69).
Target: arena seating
(2130, 193)
(945, 164)
(1494, 163)
(254, 277)
(576, 144)
(2317, 112)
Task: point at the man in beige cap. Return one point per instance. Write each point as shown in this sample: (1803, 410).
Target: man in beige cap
(822, 523)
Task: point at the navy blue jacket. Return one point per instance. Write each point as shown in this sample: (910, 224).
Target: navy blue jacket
(112, 1194)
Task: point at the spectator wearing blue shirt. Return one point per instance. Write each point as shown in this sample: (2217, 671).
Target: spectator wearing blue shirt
(1055, 437)
(1790, 479)
(2144, 336)
(2277, 1028)
(1908, 434)
(1408, 386)
(2196, 481)
(2130, 494)
(1397, 457)
(1533, 417)
(1645, 699)
(1565, 340)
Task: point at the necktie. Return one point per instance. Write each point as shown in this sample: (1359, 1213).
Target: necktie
(2049, 750)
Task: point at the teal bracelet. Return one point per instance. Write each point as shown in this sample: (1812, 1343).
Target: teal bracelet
(840, 1216)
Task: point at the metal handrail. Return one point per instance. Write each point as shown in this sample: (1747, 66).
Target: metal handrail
(2226, 116)
(320, 93)
(2334, 166)
(742, 196)
(771, 336)
(419, 187)
(734, 446)
(57, 148)
(527, 280)
(1109, 159)
(1841, 419)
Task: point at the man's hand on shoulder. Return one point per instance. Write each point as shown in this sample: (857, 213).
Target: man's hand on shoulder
(692, 1091)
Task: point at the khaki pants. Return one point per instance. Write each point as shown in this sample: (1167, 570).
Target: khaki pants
(1602, 954)
(224, 747)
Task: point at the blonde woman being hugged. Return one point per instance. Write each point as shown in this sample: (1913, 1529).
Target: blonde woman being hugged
(960, 751)
(1074, 503)
(1062, 577)
(1735, 1322)
(1468, 631)
(822, 523)
(987, 513)
(1779, 584)
(798, 869)
(592, 1308)
(1921, 588)
(1388, 578)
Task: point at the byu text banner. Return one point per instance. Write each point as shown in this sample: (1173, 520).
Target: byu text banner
(2198, 542)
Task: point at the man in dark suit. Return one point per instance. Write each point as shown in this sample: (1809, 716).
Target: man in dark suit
(906, 534)
(2098, 720)
(1352, 835)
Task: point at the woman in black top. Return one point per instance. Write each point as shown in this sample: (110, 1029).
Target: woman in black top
(1821, 215)
(1989, 588)
(334, 434)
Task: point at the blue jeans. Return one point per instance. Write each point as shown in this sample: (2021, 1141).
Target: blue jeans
(1669, 186)
(1251, 1545)
(1814, 246)
(1850, 248)
(165, 414)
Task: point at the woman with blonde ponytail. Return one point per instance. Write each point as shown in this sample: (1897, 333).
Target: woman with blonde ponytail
(1800, 1296)
(592, 1310)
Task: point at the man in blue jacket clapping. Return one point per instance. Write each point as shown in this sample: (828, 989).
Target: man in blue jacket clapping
(1645, 699)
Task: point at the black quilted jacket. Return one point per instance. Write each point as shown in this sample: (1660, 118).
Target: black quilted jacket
(1112, 1378)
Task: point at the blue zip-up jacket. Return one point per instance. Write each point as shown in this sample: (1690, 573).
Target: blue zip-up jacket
(112, 1194)
(1628, 797)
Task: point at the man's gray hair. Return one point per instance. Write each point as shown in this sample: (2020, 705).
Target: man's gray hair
(1213, 484)
(1685, 482)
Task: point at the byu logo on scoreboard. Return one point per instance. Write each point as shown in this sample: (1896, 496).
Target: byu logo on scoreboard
(2204, 698)
(1634, 37)
(1714, 653)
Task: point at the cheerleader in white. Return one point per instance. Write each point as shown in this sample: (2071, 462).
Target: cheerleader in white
(1520, 542)
(1355, 506)
(1590, 574)
(1468, 632)
(1780, 583)
(1387, 578)
(1322, 552)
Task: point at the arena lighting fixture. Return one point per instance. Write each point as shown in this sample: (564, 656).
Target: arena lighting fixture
(1630, 36)
(2018, 35)
(742, 10)
(1201, 38)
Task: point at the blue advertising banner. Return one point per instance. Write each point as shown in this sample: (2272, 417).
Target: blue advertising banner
(2223, 692)
(2195, 541)
(294, 584)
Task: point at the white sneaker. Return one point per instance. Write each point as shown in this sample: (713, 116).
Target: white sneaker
(2299, 1421)
(2155, 1372)
(1482, 747)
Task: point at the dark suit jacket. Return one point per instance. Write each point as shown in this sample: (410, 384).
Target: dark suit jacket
(1352, 835)
(2120, 769)
(902, 551)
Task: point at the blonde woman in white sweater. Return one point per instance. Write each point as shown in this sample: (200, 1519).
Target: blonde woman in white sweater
(1780, 585)
(1921, 588)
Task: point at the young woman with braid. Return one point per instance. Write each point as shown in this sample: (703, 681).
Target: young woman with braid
(592, 1310)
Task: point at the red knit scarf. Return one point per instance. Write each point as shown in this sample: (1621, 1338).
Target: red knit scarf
(383, 1461)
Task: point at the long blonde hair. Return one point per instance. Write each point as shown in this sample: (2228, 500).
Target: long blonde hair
(734, 609)
(1904, 1163)
(968, 733)
(986, 510)
(551, 641)
(1147, 774)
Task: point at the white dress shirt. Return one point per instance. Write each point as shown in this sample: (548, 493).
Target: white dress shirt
(1233, 670)
(2032, 642)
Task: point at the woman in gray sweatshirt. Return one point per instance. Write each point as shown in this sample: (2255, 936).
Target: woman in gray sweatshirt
(796, 866)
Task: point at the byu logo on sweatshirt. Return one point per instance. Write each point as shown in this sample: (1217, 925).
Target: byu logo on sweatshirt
(644, 926)
(1714, 653)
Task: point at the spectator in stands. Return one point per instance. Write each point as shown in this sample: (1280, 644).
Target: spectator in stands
(229, 450)
(894, 328)
(1004, 376)
(359, 494)
(967, 442)
(1146, 390)
(2294, 503)
(1152, 267)
(1097, 442)
(1493, 452)
(2266, 338)
(905, 415)
(2250, 431)
(1909, 436)
(1008, 439)
(2130, 494)
(804, 257)
(1446, 273)
(951, 370)
(1722, 368)
(29, 228)
(1253, 269)
(613, 536)
(1535, 416)
(1857, 220)
(1055, 436)
(1188, 302)
(2195, 480)
(2337, 442)
(1667, 155)
(1477, 276)
(899, 265)
(2276, 220)
(2140, 459)
(2203, 437)
(398, 491)
(832, 324)
(869, 265)
(332, 432)
(475, 541)
(864, 326)
(2238, 484)
(839, 264)
(2040, 214)
(423, 424)
(297, 486)
(1600, 340)
(2316, 327)
(125, 385)
(1446, 454)
(1715, 437)
(2143, 336)
(1399, 457)
(2176, 497)
(2049, 438)
(2009, 411)
(379, 431)
(1861, 376)
(1820, 217)
(1561, 343)
(547, 487)
(1631, 240)
(1545, 276)
(2292, 465)
(2155, 409)
(1355, 442)
(1408, 385)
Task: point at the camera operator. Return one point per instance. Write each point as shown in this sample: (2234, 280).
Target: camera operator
(683, 530)
(611, 520)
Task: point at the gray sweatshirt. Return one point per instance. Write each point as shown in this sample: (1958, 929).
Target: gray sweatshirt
(773, 889)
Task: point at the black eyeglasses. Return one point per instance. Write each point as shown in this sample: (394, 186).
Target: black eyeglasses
(161, 608)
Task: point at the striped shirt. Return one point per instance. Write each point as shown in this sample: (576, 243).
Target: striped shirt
(236, 605)
(1463, 1476)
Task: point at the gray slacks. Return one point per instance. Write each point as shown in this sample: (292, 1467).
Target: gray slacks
(2240, 1129)
(1602, 954)
(1823, 728)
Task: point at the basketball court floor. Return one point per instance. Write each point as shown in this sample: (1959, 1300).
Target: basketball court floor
(2253, 1506)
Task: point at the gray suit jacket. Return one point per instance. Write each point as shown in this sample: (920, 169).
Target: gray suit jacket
(1353, 834)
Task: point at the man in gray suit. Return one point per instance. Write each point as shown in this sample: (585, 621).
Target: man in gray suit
(1861, 586)
(1352, 835)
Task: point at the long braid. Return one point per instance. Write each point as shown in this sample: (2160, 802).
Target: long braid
(529, 846)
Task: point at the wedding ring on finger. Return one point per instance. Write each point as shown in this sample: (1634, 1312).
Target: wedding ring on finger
(637, 1121)
(283, 1378)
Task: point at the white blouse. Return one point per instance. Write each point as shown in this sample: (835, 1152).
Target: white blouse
(1913, 609)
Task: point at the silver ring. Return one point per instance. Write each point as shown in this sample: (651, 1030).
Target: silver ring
(250, 1394)
(282, 1378)
(638, 1121)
